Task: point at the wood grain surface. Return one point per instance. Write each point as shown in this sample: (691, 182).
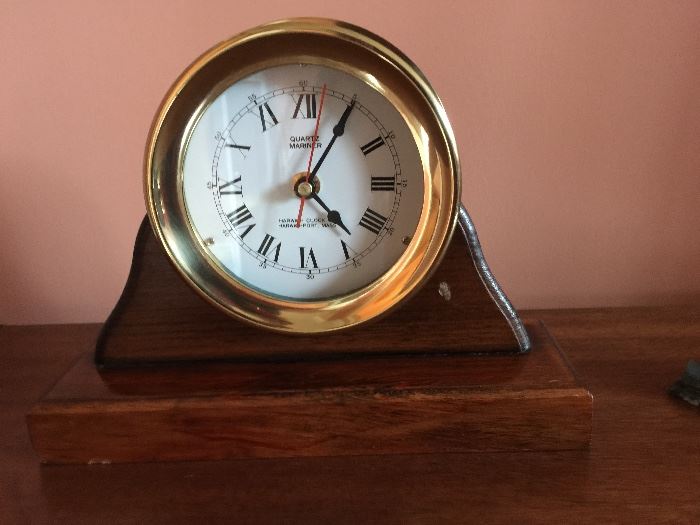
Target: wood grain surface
(642, 466)
(160, 318)
(359, 406)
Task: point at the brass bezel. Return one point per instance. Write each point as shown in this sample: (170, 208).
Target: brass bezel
(319, 41)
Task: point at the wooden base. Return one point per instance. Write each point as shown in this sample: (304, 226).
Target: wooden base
(160, 319)
(358, 406)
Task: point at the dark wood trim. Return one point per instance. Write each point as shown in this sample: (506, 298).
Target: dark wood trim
(159, 318)
(391, 405)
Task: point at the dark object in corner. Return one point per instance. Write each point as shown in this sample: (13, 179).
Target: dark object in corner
(688, 386)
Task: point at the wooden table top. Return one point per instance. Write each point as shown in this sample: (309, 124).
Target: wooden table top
(643, 465)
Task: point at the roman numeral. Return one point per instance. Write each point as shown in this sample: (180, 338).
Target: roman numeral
(242, 149)
(264, 120)
(310, 106)
(345, 249)
(373, 221)
(372, 145)
(383, 184)
(305, 258)
(239, 216)
(234, 187)
(266, 244)
(247, 230)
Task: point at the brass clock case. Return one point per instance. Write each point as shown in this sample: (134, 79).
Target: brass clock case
(336, 45)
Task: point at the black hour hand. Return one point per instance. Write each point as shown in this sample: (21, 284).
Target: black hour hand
(333, 215)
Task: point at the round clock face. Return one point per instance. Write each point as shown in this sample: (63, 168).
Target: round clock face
(303, 182)
(302, 176)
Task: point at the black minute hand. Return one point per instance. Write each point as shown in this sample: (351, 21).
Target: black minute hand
(338, 130)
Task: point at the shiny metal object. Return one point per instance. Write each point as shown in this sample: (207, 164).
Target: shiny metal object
(332, 44)
(492, 286)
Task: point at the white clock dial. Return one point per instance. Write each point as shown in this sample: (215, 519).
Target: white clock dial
(245, 171)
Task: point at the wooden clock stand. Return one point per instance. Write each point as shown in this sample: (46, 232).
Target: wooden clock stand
(453, 370)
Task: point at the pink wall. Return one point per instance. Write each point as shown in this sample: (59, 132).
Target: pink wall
(578, 123)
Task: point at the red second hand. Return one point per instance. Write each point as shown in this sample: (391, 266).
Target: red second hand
(311, 156)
